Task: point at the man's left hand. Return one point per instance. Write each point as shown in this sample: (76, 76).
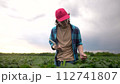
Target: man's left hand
(83, 56)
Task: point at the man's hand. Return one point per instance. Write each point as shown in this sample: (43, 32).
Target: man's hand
(83, 56)
(57, 47)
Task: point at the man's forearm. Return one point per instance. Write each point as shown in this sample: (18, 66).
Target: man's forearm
(80, 49)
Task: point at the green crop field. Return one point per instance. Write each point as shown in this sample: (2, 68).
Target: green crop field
(46, 60)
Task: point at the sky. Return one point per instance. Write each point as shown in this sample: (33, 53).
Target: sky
(25, 25)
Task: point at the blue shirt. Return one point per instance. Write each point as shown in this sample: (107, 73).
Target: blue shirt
(76, 40)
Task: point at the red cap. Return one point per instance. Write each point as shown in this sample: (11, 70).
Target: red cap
(61, 15)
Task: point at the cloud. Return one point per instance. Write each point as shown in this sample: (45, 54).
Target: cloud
(32, 20)
(37, 39)
(100, 22)
(71, 6)
(28, 19)
(3, 4)
(29, 10)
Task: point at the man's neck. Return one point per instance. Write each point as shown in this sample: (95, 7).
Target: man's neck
(65, 27)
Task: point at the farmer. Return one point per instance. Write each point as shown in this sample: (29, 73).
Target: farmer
(65, 38)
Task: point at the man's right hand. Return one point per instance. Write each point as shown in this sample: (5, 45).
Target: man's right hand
(57, 47)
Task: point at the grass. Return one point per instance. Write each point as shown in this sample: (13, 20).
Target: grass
(20, 61)
(46, 60)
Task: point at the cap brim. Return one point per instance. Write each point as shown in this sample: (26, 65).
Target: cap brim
(63, 18)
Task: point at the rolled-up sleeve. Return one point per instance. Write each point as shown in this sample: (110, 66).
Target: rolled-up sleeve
(79, 39)
(51, 37)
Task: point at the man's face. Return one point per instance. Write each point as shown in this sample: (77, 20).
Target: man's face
(64, 23)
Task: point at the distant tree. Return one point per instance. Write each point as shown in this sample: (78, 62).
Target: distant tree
(90, 53)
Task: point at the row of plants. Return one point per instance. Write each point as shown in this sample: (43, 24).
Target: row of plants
(46, 60)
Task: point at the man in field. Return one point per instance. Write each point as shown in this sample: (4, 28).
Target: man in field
(65, 38)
